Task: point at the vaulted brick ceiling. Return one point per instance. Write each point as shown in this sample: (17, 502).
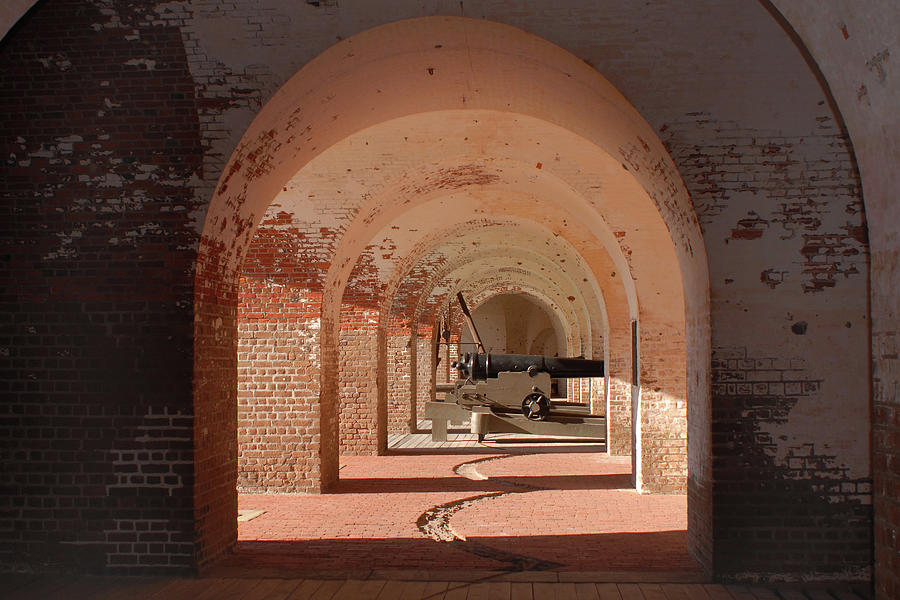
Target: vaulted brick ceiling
(452, 186)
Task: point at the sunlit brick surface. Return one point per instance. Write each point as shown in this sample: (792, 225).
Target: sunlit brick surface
(571, 510)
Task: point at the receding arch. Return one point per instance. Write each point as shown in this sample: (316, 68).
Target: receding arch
(467, 256)
(567, 341)
(384, 74)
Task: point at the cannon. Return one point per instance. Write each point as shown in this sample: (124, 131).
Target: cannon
(510, 393)
(481, 366)
(517, 373)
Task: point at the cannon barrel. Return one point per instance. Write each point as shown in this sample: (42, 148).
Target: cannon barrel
(480, 367)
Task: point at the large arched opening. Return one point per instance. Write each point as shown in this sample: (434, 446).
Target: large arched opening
(717, 92)
(574, 158)
(480, 260)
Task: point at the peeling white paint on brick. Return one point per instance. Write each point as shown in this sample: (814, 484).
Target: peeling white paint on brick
(146, 63)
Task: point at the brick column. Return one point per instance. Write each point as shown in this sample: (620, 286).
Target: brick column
(399, 365)
(662, 410)
(618, 391)
(358, 388)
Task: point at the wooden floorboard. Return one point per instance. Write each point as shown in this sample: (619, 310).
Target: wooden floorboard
(280, 590)
(182, 589)
(630, 591)
(456, 590)
(565, 591)
(761, 593)
(695, 591)
(428, 586)
(543, 591)
(415, 590)
(681, 591)
(216, 588)
(392, 590)
(846, 593)
(717, 592)
(739, 592)
(306, 589)
(818, 594)
(608, 591)
(359, 589)
(129, 588)
(499, 590)
(327, 590)
(434, 590)
(652, 591)
(520, 591)
(586, 591)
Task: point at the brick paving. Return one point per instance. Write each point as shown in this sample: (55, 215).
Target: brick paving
(573, 509)
(536, 509)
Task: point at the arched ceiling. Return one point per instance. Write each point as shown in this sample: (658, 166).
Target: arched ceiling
(581, 154)
(417, 183)
(517, 318)
(389, 143)
(506, 243)
(574, 325)
(492, 274)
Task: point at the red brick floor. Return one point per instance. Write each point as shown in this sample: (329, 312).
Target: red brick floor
(534, 510)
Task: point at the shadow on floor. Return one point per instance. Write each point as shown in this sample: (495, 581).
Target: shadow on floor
(392, 485)
(658, 551)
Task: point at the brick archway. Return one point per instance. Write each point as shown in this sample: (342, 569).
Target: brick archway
(498, 254)
(747, 144)
(654, 237)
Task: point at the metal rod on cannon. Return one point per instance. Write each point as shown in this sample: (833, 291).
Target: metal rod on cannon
(470, 321)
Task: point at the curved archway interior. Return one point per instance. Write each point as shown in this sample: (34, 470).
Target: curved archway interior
(421, 158)
(360, 213)
(514, 323)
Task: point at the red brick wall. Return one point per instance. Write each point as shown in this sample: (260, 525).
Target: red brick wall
(450, 352)
(399, 381)
(619, 384)
(587, 391)
(662, 411)
(424, 359)
(215, 401)
(278, 363)
(807, 225)
(278, 389)
(886, 467)
(805, 502)
(97, 244)
(358, 390)
(865, 90)
(279, 360)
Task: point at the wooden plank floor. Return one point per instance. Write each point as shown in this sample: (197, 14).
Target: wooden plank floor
(459, 437)
(34, 587)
